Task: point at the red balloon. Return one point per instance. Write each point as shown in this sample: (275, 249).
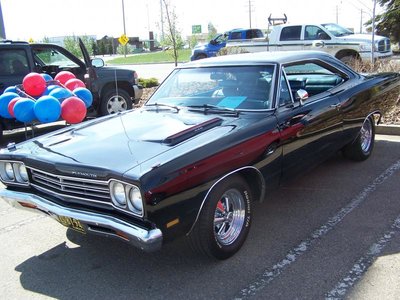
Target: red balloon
(34, 84)
(64, 76)
(74, 83)
(73, 110)
(11, 106)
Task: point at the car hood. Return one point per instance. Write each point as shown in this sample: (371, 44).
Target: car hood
(123, 141)
(361, 38)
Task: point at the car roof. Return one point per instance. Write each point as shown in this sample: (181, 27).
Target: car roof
(274, 57)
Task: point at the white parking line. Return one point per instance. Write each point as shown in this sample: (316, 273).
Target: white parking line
(270, 274)
(362, 265)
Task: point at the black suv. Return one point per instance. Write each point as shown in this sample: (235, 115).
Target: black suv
(113, 89)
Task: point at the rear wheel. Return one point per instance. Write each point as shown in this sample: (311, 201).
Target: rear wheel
(114, 101)
(362, 147)
(224, 221)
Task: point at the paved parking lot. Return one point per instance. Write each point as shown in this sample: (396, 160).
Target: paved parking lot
(332, 233)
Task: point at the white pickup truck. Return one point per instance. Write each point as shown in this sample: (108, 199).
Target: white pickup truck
(332, 38)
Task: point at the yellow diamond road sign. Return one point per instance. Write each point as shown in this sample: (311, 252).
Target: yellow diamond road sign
(123, 40)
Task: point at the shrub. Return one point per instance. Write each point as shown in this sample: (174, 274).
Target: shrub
(148, 83)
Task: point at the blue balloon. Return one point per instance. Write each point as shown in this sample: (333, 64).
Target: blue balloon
(23, 110)
(49, 89)
(47, 109)
(85, 95)
(60, 93)
(4, 101)
(46, 76)
(11, 89)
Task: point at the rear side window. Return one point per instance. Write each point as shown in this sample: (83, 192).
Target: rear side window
(291, 33)
(13, 62)
(236, 35)
(254, 33)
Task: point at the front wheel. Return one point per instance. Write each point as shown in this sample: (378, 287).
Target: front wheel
(363, 145)
(224, 221)
(114, 101)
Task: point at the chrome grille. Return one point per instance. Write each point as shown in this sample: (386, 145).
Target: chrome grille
(71, 187)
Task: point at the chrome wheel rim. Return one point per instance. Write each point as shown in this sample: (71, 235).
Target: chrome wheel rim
(229, 217)
(116, 104)
(366, 136)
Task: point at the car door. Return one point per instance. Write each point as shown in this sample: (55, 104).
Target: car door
(289, 39)
(309, 128)
(14, 65)
(316, 38)
(53, 59)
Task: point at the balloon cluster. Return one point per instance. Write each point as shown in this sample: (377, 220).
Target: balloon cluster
(46, 100)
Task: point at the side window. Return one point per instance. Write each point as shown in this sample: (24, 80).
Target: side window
(13, 62)
(312, 77)
(290, 33)
(284, 92)
(236, 35)
(315, 33)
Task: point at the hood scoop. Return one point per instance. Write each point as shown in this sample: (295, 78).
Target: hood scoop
(192, 131)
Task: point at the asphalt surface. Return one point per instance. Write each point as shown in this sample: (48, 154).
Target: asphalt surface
(331, 233)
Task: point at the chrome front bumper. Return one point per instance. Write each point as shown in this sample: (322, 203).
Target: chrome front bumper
(147, 240)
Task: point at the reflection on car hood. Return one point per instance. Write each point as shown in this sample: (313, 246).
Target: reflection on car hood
(123, 141)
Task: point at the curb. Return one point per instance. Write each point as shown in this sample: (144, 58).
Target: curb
(388, 129)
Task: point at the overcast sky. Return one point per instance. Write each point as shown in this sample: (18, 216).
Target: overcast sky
(25, 19)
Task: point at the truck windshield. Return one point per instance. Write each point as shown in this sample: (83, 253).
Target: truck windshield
(337, 30)
(238, 87)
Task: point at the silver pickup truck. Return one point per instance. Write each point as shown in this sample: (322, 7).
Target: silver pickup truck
(331, 38)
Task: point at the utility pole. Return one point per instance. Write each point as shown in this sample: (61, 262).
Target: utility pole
(361, 21)
(162, 21)
(373, 34)
(2, 28)
(250, 13)
(123, 19)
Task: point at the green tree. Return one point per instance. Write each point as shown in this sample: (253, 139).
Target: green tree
(173, 38)
(72, 45)
(212, 31)
(388, 22)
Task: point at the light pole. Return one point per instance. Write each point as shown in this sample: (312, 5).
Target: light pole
(2, 28)
(123, 19)
(373, 34)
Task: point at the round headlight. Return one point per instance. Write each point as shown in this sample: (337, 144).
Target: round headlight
(9, 171)
(22, 173)
(118, 193)
(135, 199)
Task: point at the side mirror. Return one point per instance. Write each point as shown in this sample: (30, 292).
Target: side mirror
(301, 96)
(97, 62)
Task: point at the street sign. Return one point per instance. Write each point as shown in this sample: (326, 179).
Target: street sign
(123, 40)
(196, 29)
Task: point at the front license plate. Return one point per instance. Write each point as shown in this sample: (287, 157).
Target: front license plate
(71, 223)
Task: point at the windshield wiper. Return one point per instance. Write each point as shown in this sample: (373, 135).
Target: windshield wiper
(158, 105)
(213, 108)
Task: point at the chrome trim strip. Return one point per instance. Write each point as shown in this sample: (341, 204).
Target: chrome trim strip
(147, 240)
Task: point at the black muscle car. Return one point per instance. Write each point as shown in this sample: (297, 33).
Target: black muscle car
(214, 136)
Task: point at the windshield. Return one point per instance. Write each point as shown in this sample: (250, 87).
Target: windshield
(51, 57)
(337, 30)
(239, 87)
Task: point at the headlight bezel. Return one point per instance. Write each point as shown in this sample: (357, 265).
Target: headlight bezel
(14, 173)
(133, 200)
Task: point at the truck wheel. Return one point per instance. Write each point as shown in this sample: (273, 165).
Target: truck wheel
(201, 56)
(113, 102)
(361, 148)
(350, 60)
(224, 221)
